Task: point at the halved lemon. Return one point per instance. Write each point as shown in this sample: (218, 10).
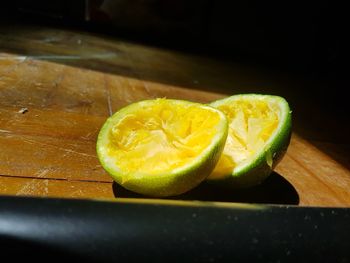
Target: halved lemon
(162, 147)
(259, 134)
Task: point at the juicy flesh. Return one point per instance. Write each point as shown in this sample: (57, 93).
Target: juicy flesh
(251, 123)
(162, 137)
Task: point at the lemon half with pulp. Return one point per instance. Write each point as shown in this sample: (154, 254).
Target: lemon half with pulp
(259, 134)
(162, 147)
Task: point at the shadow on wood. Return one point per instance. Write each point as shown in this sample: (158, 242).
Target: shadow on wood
(275, 190)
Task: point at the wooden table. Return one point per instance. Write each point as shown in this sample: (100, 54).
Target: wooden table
(57, 87)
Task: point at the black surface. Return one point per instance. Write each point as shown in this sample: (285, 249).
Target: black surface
(95, 231)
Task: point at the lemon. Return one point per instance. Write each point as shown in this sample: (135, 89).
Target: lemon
(259, 134)
(162, 147)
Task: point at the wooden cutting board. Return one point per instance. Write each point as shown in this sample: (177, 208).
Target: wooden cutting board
(50, 115)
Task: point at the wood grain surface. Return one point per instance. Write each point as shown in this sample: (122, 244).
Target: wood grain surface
(51, 112)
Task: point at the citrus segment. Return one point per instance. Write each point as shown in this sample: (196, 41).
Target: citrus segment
(162, 147)
(259, 134)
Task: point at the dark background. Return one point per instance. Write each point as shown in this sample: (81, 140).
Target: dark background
(305, 38)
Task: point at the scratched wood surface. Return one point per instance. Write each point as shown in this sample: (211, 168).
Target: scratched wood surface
(51, 113)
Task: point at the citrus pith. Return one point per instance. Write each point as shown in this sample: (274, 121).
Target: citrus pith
(259, 134)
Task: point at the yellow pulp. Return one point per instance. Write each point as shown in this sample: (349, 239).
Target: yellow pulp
(161, 137)
(251, 123)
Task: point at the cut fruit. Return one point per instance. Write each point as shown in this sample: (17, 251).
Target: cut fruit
(259, 134)
(162, 147)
